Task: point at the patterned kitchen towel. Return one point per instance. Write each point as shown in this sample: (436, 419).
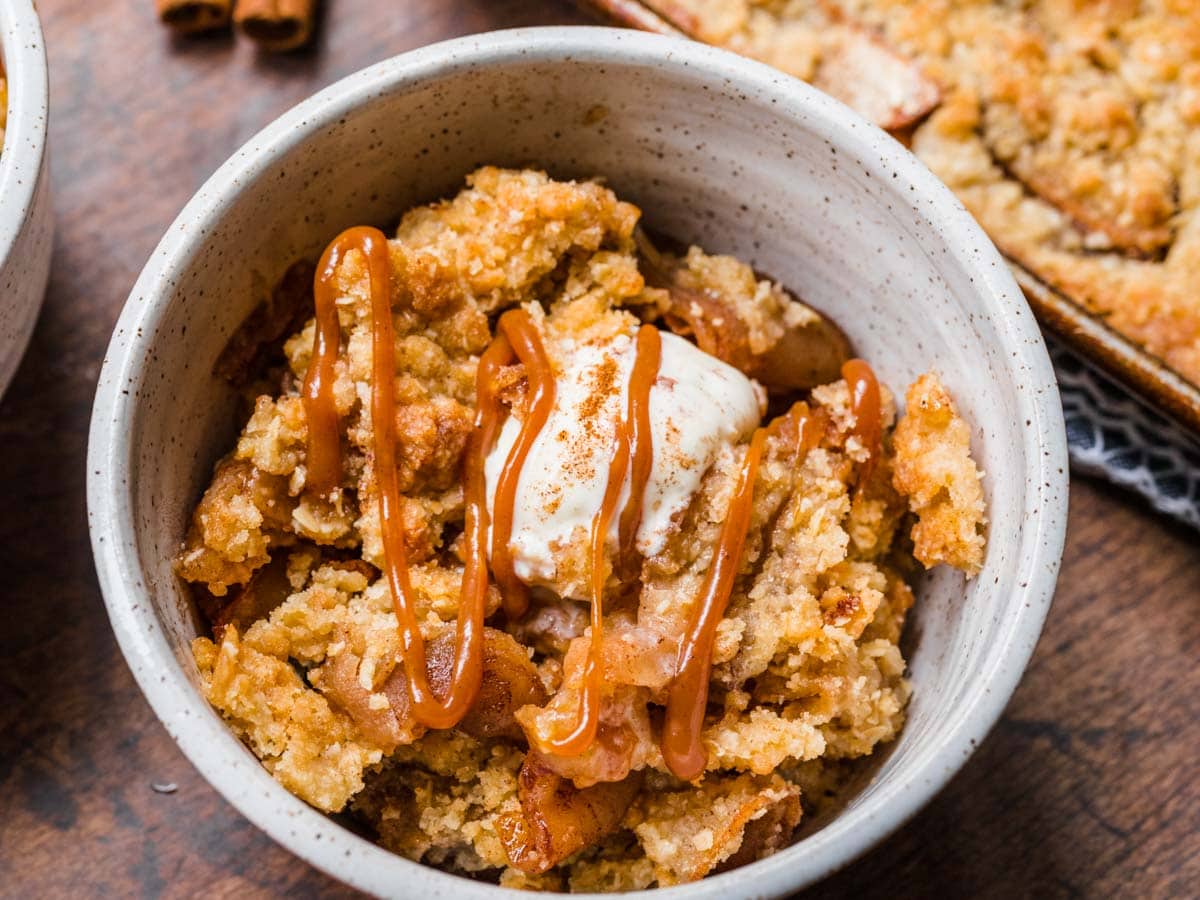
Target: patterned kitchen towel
(1112, 435)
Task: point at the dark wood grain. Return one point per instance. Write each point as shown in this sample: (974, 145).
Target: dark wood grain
(1088, 787)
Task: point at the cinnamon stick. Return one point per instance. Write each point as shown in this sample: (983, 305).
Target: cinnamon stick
(191, 16)
(276, 25)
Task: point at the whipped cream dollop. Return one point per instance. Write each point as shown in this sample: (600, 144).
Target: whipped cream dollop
(698, 405)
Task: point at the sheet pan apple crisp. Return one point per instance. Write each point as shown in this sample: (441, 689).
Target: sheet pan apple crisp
(620, 587)
(1069, 128)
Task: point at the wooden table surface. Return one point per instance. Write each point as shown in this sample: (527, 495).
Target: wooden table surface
(1089, 785)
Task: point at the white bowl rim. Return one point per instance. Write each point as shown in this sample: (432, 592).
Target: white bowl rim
(211, 747)
(28, 115)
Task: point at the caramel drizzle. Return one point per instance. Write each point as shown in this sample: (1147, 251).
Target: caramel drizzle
(324, 444)
(868, 419)
(324, 447)
(518, 331)
(632, 438)
(687, 698)
(637, 425)
(800, 426)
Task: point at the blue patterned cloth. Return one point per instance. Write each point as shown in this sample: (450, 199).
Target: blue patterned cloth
(1112, 435)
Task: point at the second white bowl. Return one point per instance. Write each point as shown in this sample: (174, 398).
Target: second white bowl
(26, 219)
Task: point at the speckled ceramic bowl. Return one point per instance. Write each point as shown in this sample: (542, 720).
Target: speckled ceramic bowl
(715, 149)
(26, 220)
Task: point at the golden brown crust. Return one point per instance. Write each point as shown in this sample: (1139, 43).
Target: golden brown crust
(241, 514)
(1070, 130)
(720, 820)
(313, 750)
(816, 41)
(934, 470)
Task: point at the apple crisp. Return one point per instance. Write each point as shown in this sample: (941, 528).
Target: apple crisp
(501, 681)
(1069, 129)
